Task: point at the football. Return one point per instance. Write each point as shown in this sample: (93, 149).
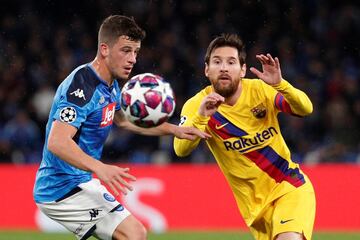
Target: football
(147, 100)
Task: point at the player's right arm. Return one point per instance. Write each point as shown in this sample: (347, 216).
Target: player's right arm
(61, 143)
(195, 114)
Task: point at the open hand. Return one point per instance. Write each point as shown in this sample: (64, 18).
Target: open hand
(271, 69)
(114, 177)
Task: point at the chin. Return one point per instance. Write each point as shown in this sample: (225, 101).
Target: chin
(122, 76)
(225, 92)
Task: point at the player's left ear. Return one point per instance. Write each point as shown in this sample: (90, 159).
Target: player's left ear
(104, 49)
(206, 70)
(243, 70)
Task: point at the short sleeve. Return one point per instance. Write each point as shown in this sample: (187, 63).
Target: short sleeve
(71, 113)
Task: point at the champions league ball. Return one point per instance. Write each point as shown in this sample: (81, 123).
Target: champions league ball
(147, 100)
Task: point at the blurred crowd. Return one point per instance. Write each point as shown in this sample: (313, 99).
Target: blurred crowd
(317, 43)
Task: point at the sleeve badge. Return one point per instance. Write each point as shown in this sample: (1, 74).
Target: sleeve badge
(68, 114)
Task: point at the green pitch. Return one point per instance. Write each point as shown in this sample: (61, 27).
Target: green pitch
(28, 235)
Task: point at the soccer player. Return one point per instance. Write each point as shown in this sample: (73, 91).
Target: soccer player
(275, 198)
(84, 108)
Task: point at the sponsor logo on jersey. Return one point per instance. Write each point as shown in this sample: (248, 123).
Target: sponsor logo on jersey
(217, 127)
(68, 114)
(109, 197)
(285, 221)
(224, 128)
(244, 144)
(107, 115)
(78, 93)
(259, 111)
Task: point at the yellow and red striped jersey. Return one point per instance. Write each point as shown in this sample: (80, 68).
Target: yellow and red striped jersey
(247, 142)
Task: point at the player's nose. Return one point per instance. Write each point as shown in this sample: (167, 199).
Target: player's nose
(223, 67)
(132, 58)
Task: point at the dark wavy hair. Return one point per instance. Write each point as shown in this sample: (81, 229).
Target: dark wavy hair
(227, 40)
(117, 25)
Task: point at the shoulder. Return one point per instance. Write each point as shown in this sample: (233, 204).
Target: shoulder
(82, 83)
(257, 85)
(253, 82)
(197, 98)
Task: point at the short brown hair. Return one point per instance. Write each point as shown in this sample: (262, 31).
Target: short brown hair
(227, 40)
(115, 26)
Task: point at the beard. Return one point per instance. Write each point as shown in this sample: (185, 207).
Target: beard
(119, 75)
(226, 90)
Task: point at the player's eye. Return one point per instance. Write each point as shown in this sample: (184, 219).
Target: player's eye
(126, 50)
(216, 61)
(232, 62)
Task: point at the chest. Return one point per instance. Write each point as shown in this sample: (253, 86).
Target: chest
(103, 108)
(253, 115)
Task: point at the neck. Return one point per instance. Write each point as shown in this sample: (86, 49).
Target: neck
(102, 70)
(233, 98)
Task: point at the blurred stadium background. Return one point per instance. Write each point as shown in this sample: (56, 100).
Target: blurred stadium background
(317, 42)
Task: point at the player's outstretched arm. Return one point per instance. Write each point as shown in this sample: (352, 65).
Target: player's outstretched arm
(197, 116)
(61, 144)
(189, 133)
(299, 103)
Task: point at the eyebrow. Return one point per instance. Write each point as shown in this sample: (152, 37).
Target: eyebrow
(231, 57)
(129, 47)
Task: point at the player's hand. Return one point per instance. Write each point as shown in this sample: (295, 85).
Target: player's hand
(210, 104)
(190, 133)
(271, 69)
(114, 177)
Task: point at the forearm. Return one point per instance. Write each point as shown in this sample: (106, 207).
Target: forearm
(163, 129)
(299, 102)
(70, 152)
(183, 147)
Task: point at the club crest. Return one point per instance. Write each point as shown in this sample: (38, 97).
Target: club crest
(259, 111)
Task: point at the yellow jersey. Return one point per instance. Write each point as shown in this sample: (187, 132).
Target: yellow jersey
(247, 142)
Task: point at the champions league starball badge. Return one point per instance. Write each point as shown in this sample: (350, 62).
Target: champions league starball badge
(68, 114)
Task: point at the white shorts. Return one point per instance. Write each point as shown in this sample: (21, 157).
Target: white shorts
(89, 209)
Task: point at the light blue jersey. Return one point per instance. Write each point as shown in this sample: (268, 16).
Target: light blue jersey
(85, 101)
